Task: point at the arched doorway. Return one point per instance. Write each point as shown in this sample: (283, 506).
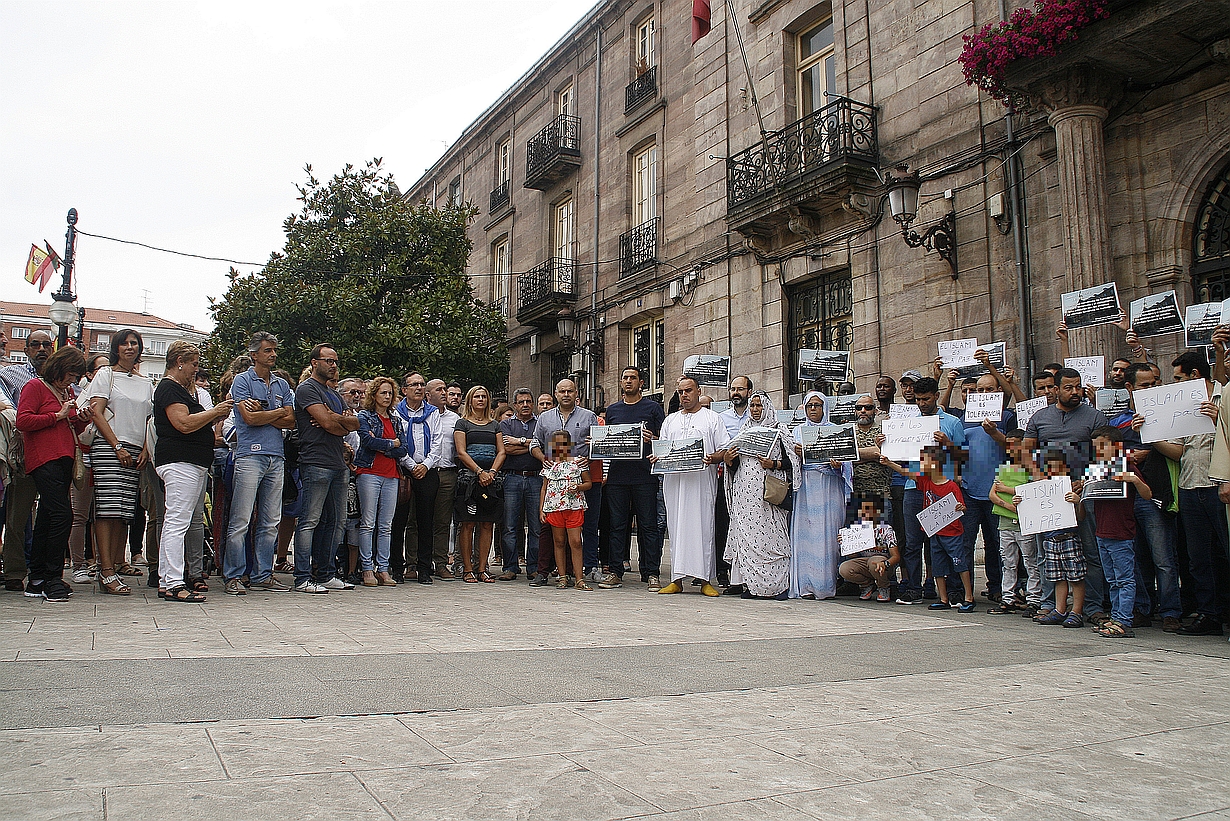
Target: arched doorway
(1211, 242)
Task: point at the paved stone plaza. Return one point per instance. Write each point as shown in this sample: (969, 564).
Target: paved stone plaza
(498, 701)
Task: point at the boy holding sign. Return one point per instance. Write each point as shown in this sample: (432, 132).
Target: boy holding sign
(948, 554)
(1063, 558)
(1115, 520)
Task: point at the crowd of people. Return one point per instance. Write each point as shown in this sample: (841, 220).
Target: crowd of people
(336, 483)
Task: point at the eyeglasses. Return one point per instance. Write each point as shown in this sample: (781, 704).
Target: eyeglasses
(327, 361)
(814, 405)
(38, 344)
(360, 393)
(416, 384)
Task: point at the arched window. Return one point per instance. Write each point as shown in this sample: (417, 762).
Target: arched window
(1211, 243)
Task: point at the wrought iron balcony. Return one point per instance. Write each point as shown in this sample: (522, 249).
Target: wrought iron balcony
(553, 153)
(501, 305)
(644, 87)
(499, 198)
(544, 290)
(821, 157)
(638, 249)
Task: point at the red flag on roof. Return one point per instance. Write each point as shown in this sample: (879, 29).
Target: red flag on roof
(700, 19)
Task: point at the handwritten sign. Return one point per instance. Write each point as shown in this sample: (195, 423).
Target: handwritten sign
(958, 353)
(857, 537)
(1091, 368)
(1042, 507)
(1156, 314)
(903, 410)
(1025, 410)
(939, 514)
(1172, 411)
(904, 439)
(980, 406)
(1087, 307)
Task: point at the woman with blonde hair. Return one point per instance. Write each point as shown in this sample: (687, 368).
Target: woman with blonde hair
(381, 444)
(479, 501)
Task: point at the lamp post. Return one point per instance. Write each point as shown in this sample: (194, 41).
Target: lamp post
(62, 311)
(902, 185)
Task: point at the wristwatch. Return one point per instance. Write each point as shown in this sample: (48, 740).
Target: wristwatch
(523, 440)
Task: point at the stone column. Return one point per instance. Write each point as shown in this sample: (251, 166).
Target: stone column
(1077, 102)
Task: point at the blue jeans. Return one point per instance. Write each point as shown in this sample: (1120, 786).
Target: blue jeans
(257, 482)
(626, 501)
(979, 514)
(521, 499)
(1204, 522)
(589, 532)
(1155, 538)
(1119, 565)
(377, 501)
(912, 555)
(322, 518)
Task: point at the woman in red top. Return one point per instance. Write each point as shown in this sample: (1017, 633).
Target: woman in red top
(381, 445)
(48, 416)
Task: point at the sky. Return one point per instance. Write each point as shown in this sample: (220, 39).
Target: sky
(187, 125)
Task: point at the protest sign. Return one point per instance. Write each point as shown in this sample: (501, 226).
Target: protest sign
(939, 514)
(1043, 508)
(995, 355)
(1087, 307)
(1099, 481)
(1112, 401)
(904, 439)
(1202, 320)
(841, 408)
(1156, 314)
(755, 440)
(679, 455)
(722, 406)
(957, 353)
(617, 441)
(1026, 409)
(1172, 411)
(824, 442)
(857, 537)
(708, 369)
(1091, 368)
(903, 410)
(980, 406)
(831, 366)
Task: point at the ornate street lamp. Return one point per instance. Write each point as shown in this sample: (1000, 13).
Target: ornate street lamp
(566, 326)
(902, 186)
(62, 311)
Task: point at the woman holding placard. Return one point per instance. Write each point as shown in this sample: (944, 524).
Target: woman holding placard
(821, 492)
(758, 544)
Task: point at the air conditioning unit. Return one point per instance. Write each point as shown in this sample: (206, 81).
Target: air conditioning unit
(676, 289)
(534, 345)
(578, 363)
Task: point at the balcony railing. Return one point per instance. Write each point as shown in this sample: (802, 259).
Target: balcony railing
(644, 87)
(501, 305)
(499, 198)
(545, 287)
(553, 153)
(840, 132)
(638, 249)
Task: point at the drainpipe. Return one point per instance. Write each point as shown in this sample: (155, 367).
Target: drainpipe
(1016, 195)
(592, 377)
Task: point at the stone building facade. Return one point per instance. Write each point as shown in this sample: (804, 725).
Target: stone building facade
(637, 192)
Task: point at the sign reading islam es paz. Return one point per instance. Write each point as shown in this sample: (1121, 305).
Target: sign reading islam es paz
(1091, 368)
(1043, 507)
(939, 514)
(1172, 411)
(1087, 307)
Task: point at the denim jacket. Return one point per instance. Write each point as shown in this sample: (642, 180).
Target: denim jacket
(371, 428)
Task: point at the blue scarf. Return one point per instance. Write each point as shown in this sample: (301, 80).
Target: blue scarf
(403, 410)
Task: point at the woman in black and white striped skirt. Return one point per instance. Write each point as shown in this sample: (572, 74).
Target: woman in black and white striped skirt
(122, 401)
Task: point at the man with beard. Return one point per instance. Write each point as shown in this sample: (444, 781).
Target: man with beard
(21, 492)
(886, 392)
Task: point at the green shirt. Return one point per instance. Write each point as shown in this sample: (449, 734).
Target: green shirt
(1013, 477)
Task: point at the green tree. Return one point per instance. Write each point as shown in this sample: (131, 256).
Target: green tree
(380, 279)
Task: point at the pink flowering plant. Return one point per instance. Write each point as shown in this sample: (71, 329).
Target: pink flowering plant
(1030, 32)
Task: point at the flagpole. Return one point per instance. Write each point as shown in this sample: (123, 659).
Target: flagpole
(65, 294)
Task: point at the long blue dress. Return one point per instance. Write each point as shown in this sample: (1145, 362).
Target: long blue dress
(820, 498)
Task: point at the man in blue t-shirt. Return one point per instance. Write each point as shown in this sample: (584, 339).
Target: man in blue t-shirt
(264, 407)
(631, 489)
(986, 442)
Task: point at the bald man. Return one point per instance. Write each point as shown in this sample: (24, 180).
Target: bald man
(569, 416)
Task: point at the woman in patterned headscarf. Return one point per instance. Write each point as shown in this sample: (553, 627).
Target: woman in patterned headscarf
(758, 544)
(820, 497)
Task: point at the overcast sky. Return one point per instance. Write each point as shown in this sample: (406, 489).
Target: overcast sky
(187, 125)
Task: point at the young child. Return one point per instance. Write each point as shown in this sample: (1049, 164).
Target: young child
(1063, 559)
(873, 569)
(1014, 547)
(948, 554)
(563, 506)
(1115, 528)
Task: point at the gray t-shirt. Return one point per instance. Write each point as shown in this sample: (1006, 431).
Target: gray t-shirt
(1071, 431)
(318, 447)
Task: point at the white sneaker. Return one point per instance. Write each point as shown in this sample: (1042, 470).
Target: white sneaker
(310, 586)
(595, 575)
(337, 584)
(82, 575)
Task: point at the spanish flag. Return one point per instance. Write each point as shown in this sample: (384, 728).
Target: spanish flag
(41, 265)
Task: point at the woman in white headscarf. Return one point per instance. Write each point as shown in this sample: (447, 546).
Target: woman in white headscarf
(758, 544)
(821, 493)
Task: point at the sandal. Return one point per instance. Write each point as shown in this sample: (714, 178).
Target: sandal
(1003, 608)
(183, 594)
(581, 585)
(199, 586)
(126, 569)
(113, 585)
(1099, 619)
(470, 578)
(562, 584)
(1115, 630)
(1053, 617)
(486, 577)
(1074, 620)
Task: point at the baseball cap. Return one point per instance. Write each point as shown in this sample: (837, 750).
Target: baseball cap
(912, 375)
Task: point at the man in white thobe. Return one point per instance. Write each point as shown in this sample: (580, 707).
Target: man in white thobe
(690, 496)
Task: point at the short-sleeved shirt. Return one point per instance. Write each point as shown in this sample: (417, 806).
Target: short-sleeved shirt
(1054, 427)
(647, 412)
(515, 429)
(932, 493)
(262, 440)
(481, 445)
(317, 447)
(578, 425)
(1011, 476)
(870, 477)
(129, 397)
(564, 486)
(1116, 518)
(1198, 455)
(954, 429)
(196, 448)
(985, 455)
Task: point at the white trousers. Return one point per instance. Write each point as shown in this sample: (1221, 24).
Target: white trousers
(185, 483)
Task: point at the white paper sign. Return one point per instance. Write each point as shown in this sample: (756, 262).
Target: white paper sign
(1172, 411)
(904, 439)
(958, 352)
(939, 514)
(1025, 410)
(1091, 368)
(857, 537)
(903, 410)
(1043, 508)
(980, 406)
